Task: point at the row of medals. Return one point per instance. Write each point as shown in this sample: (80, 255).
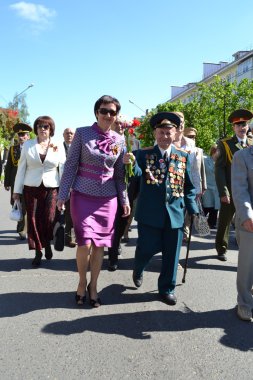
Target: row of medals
(156, 175)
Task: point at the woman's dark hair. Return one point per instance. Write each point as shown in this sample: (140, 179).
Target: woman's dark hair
(45, 120)
(106, 99)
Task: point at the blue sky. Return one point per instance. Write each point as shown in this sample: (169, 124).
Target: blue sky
(75, 51)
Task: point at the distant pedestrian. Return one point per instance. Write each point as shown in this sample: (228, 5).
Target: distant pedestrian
(23, 134)
(226, 149)
(210, 198)
(68, 136)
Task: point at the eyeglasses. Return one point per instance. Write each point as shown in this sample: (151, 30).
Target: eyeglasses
(44, 126)
(191, 137)
(105, 111)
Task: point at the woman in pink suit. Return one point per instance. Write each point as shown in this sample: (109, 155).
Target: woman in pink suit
(94, 172)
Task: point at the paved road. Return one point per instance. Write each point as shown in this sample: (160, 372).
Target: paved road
(133, 335)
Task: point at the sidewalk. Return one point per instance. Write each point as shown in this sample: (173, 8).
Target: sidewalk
(132, 335)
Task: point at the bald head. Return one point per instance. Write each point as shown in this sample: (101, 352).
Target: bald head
(68, 135)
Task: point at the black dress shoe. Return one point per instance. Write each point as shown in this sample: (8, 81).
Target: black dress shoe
(137, 279)
(70, 243)
(169, 299)
(222, 257)
(48, 252)
(112, 267)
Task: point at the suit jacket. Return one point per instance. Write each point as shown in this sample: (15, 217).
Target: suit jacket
(165, 190)
(32, 171)
(242, 184)
(94, 165)
(223, 163)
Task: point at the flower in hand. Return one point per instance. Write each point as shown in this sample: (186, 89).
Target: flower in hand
(129, 126)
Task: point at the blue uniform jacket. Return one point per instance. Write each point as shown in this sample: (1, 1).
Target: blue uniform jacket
(166, 188)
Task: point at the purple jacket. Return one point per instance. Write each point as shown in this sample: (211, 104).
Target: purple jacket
(94, 165)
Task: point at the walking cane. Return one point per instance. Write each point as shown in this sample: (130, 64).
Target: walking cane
(188, 250)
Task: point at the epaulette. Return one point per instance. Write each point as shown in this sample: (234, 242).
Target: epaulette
(226, 138)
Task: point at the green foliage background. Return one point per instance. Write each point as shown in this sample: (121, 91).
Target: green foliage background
(207, 111)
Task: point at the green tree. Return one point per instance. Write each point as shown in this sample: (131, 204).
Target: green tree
(207, 110)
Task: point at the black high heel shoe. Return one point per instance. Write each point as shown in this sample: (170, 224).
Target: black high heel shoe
(80, 300)
(93, 303)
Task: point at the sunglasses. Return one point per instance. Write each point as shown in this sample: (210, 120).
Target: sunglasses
(44, 126)
(105, 111)
(191, 137)
(22, 134)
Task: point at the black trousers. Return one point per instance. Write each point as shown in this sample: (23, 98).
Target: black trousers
(121, 223)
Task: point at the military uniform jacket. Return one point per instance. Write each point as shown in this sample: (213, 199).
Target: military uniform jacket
(226, 148)
(166, 188)
(11, 166)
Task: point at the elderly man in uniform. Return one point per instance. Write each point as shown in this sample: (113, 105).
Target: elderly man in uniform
(23, 132)
(166, 189)
(68, 135)
(226, 149)
(242, 190)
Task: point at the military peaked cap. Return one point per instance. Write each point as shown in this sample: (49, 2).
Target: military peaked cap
(164, 119)
(22, 128)
(240, 115)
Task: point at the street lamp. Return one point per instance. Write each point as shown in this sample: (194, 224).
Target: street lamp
(130, 101)
(17, 96)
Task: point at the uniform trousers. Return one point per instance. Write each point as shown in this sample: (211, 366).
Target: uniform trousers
(225, 217)
(244, 279)
(152, 240)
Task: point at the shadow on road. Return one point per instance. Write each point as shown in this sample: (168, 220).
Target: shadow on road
(138, 325)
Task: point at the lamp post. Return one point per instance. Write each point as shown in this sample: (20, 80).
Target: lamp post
(130, 101)
(17, 96)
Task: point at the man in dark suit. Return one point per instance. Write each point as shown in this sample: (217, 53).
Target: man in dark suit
(23, 132)
(226, 149)
(68, 136)
(166, 189)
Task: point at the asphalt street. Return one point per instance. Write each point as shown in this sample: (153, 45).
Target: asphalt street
(44, 335)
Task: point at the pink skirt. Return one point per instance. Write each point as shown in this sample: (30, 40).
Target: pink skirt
(93, 219)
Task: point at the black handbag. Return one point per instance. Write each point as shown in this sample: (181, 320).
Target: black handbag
(59, 233)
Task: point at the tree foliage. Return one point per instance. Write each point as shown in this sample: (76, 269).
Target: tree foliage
(207, 110)
(16, 111)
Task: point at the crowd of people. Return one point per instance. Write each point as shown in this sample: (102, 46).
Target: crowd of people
(85, 177)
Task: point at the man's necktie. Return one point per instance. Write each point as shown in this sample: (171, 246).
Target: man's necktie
(165, 156)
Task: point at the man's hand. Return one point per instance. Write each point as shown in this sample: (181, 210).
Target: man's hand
(225, 199)
(128, 158)
(127, 211)
(248, 225)
(7, 188)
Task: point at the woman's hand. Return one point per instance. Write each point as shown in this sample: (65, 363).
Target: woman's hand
(16, 196)
(129, 158)
(60, 205)
(127, 211)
